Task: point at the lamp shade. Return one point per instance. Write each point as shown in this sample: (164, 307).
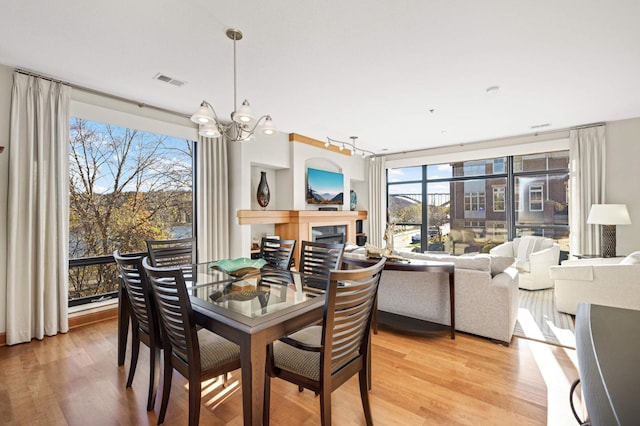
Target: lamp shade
(203, 115)
(609, 214)
(244, 114)
(268, 128)
(209, 130)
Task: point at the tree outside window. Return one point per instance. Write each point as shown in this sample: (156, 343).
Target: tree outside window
(126, 187)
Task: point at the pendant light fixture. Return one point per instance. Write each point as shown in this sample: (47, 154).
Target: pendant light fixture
(243, 124)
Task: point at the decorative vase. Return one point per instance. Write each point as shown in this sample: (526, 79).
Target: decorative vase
(264, 194)
(353, 200)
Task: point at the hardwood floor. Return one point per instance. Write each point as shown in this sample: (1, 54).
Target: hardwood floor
(73, 379)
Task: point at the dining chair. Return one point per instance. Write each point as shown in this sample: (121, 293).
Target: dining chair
(278, 253)
(323, 357)
(144, 321)
(317, 259)
(197, 354)
(163, 253)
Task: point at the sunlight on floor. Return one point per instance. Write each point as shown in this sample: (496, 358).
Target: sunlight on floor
(558, 384)
(214, 393)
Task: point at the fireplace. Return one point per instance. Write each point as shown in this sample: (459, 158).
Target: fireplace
(298, 224)
(329, 234)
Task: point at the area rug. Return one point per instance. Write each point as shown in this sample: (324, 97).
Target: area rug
(539, 320)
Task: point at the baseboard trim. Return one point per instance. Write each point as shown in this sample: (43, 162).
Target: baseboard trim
(93, 317)
(80, 320)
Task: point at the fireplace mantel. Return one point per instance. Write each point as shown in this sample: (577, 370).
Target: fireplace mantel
(297, 224)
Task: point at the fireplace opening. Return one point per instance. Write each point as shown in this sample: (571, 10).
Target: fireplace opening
(329, 234)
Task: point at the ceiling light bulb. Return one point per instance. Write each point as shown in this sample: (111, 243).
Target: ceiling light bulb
(326, 144)
(341, 147)
(244, 114)
(268, 128)
(209, 130)
(203, 115)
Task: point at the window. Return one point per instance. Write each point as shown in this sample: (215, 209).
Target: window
(126, 186)
(474, 201)
(451, 197)
(498, 198)
(536, 198)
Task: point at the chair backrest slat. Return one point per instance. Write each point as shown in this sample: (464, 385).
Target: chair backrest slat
(138, 290)
(175, 313)
(165, 253)
(349, 305)
(318, 258)
(277, 253)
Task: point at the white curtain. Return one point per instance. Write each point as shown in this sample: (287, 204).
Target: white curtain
(212, 199)
(587, 176)
(38, 210)
(377, 201)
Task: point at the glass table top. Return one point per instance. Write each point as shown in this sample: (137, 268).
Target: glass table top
(256, 294)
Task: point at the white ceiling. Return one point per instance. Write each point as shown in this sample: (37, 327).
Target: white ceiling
(338, 68)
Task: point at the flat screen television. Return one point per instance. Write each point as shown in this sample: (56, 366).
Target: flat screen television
(324, 187)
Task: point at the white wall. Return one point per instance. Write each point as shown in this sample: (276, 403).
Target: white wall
(285, 164)
(622, 175)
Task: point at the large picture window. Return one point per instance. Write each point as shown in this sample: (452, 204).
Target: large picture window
(126, 187)
(447, 207)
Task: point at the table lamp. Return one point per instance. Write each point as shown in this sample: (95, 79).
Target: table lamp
(609, 215)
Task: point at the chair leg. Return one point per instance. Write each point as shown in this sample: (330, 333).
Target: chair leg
(154, 376)
(325, 406)
(195, 392)
(364, 395)
(135, 350)
(166, 387)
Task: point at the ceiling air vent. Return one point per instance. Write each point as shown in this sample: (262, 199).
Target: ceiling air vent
(168, 79)
(540, 126)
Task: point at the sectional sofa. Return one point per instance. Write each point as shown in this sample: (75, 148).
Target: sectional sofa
(486, 293)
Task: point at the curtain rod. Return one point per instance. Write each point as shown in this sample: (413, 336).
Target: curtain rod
(586, 126)
(98, 92)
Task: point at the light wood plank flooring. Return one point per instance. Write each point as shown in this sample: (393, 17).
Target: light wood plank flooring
(73, 379)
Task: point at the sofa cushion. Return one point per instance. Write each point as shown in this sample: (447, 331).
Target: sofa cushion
(525, 247)
(500, 263)
(632, 259)
(476, 262)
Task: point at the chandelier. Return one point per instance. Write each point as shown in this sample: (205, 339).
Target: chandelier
(350, 146)
(243, 122)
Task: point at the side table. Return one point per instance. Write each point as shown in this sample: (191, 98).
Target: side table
(402, 322)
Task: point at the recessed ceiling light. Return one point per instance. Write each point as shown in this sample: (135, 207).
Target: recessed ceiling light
(492, 90)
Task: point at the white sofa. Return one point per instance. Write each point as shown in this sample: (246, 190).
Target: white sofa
(486, 294)
(610, 282)
(533, 258)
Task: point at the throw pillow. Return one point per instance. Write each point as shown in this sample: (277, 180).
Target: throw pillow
(632, 259)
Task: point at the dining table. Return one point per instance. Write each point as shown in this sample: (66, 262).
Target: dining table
(254, 310)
